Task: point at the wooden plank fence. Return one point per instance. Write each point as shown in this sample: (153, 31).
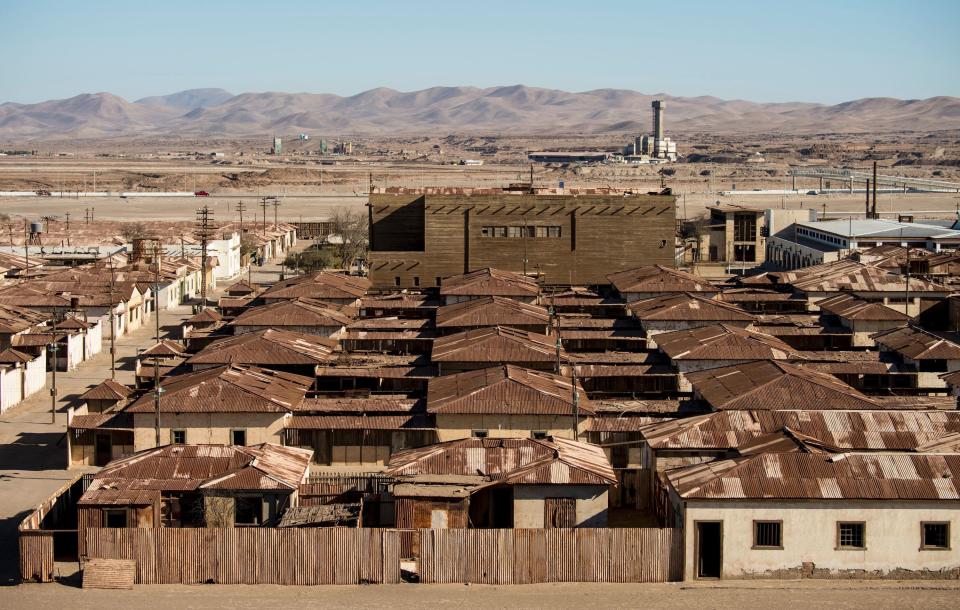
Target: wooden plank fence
(295, 556)
(322, 556)
(524, 556)
(36, 531)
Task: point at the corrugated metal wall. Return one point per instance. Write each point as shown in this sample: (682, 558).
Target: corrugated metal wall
(317, 556)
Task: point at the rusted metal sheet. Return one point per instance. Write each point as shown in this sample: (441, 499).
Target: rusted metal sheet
(490, 282)
(505, 389)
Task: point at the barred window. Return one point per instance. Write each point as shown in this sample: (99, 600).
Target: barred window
(768, 534)
(850, 535)
(936, 535)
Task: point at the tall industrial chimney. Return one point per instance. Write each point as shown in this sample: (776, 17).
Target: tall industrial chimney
(658, 107)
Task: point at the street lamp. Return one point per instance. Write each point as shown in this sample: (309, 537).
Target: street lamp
(53, 389)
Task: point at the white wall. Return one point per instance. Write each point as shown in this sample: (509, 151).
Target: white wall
(892, 535)
(528, 504)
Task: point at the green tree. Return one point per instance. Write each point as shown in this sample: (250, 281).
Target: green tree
(309, 260)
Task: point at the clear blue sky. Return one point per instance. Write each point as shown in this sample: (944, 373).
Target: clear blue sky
(819, 51)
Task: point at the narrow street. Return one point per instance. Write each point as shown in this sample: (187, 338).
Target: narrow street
(33, 451)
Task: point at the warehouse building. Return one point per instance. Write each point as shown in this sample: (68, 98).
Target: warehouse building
(417, 238)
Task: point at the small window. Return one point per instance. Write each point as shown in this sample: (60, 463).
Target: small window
(514, 231)
(478, 433)
(538, 435)
(532, 231)
(499, 231)
(238, 437)
(936, 535)
(768, 534)
(396, 281)
(553, 231)
(178, 437)
(484, 232)
(850, 535)
(115, 517)
(416, 280)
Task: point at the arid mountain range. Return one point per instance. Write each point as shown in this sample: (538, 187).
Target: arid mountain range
(495, 110)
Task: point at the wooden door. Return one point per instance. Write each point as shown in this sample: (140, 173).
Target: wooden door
(559, 512)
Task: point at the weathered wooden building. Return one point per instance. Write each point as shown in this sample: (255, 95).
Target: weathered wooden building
(416, 239)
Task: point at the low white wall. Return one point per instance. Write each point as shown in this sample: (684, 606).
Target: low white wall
(892, 535)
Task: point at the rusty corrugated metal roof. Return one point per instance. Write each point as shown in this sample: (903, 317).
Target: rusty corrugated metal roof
(228, 389)
(496, 344)
(505, 390)
(773, 476)
(489, 282)
(766, 384)
(917, 344)
(847, 430)
(852, 307)
(657, 278)
(107, 389)
(360, 422)
(18, 319)
(319, 285)
(294, 312)
(688, 307)
(723, 342)
(268, 347)
(491, 311)
(139, 478)
(515, 460)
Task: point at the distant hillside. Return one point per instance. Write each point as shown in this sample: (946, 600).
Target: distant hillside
(215, 112)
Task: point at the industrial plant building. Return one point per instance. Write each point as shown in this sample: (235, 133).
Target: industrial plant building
(419, 237)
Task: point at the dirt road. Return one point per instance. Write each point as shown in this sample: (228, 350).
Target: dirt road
(727, 594)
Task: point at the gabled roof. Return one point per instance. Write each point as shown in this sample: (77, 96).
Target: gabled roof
(205, 316)
(657, 278)
(688, 307)
(241, 288)
(229, 389)
(512, 460)
(767, 384)
(851, 275)
(917, 344)
(13, 356)
(505, 390)
(166, 348)
(852, 307)
(723, 342)
(294, 312)
(489, 282)
(876, 430)
(18, 319)
(783, 476)
(138, 479)
(496, 344)
(319, 285)
(107, 389)
(491, 311)
(267, 347)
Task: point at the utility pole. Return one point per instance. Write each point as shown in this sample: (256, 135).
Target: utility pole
(203, 233)
(276, 206)
(157, 390)
(907, 291)
(67, 214)
(556, 322)
(576, 405)
(240, 208)
(53, 389)
(263, 204)
(113, 328)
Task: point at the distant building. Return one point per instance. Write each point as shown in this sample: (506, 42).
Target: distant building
(560, 156)
(277, 146)
(418, 239)
(303, 136)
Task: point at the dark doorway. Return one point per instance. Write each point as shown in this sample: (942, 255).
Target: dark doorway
(709, 549)
(103, 450)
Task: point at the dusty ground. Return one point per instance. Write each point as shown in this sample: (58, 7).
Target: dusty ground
(728, 594)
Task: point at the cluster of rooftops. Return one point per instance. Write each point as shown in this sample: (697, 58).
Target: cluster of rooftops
(792, 372)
